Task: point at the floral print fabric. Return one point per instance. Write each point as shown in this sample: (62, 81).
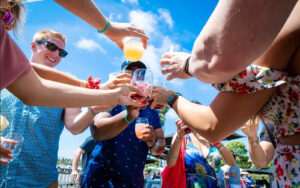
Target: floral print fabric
(282, 110)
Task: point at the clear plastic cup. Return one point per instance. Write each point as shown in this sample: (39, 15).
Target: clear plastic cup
(133, 48)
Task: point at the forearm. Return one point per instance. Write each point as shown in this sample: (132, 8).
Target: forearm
(110, 127)
(58, 76)
(86, 10)
(226, 155)
(257, 154)
(199, 117)
(75, 162)
(174, 151)
(48, 93)
(81, 122)
(232, 38)
(224, 115)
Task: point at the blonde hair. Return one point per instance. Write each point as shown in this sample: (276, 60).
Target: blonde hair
(47, 34)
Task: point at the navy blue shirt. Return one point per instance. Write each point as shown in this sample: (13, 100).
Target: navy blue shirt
(122, 158)
(87, 146)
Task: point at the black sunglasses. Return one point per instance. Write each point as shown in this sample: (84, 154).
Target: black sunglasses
(52, 47)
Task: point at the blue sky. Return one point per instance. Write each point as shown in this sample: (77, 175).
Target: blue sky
(167, 23)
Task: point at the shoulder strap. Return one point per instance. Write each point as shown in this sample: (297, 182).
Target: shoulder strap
(271, 136)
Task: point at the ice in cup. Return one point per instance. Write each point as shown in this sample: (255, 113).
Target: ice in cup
(133, 48)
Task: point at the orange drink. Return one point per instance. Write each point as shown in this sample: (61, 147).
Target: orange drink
(133, 48)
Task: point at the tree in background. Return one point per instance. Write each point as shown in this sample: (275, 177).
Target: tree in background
(240, 151)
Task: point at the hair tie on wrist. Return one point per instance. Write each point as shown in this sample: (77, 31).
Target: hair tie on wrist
(187, 66)
(104, 29)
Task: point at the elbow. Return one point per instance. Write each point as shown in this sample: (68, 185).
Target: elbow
(209, 132)
(75, 131)
(74, 128)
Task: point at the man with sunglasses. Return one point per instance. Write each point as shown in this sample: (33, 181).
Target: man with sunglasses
(41, 127)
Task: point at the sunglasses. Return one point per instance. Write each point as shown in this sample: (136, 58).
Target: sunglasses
(52, 47)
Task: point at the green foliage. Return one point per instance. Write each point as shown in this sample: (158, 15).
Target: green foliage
(64, 161)
(162, 115)
(240, 151)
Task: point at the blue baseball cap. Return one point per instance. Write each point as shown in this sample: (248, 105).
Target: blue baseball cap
(128, 65)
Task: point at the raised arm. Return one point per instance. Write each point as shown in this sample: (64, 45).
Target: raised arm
(34, 90)
(231, 39)
(56, 75)
(87, 11)
(176, 144)
(261, 153)
(226, 154)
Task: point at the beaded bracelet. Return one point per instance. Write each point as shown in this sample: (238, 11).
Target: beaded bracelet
(104, 29)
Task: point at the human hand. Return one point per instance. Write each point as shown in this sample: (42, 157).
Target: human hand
(160, 96)
(182, 129)
(117, 81)
(118, 31)
(145, 132)
(75, 176)
(5, 154)
(173, 63)
(124, 92)
(250, 128)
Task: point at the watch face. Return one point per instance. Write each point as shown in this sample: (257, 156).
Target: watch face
(171, 99)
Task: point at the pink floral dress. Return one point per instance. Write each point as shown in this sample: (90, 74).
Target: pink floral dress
(282, 111)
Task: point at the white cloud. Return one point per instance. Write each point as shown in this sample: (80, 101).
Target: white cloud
(165, 15)
(135, 2)
(144, 20)
(32, 1)
(115, 16)
(89, 45)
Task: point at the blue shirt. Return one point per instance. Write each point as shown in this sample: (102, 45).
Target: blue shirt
(41, 128)
(87, 146)
(233, 174)
(121, 159)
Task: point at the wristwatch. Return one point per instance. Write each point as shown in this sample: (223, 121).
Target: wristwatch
(172, 99)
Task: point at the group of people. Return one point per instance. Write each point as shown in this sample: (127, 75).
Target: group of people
(252, 61)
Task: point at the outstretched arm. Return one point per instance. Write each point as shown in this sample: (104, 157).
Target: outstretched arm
(56, 75)
(34, 90)
(87, 10)
(233, 38)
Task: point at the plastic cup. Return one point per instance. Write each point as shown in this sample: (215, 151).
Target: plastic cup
(133, 48)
